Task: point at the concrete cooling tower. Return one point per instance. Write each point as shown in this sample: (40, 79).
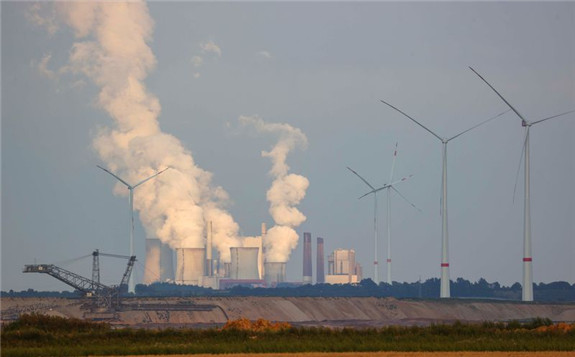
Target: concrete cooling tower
(275, 272)
(166, 263)
(153, 253)
(244, 263)
(190, 265)
(159, 262)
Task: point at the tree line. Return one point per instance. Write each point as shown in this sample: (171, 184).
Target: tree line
(559, 291)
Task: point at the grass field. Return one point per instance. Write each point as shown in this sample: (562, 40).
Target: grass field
(38, 335)
(391, 354)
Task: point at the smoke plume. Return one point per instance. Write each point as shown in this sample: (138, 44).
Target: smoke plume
(112, 51)
(287, 190)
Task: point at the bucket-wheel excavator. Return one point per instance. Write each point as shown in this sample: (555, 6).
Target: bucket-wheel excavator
(103, 296)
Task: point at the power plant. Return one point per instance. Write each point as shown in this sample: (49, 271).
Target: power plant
(342, 267)
(202, 266)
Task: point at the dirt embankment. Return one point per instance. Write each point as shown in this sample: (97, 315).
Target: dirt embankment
(299, 311)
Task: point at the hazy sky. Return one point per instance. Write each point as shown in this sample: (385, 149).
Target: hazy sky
(321, 67)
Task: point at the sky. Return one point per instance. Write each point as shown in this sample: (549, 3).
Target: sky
(322, 68)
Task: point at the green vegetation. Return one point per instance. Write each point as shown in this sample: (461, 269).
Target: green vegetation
(558, 291)
(38, 335)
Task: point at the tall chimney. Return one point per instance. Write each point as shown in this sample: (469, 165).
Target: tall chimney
(320, 273)
(307, 267)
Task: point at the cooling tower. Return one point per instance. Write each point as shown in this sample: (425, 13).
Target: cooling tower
(152, 273)
(320, 274)
(209, 264)
(166, 263)
(190, 265)
(307, 268)
(244, 263)
(274, 273)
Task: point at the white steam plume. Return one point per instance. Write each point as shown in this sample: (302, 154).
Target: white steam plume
(113, 52)
(287, 190)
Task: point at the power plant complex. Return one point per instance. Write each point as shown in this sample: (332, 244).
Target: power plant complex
(247, 267)
(201, 266)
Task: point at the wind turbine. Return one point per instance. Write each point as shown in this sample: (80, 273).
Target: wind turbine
(444, 290)
(131, 188)
(527, 291)
(390, 187)
(374, 192)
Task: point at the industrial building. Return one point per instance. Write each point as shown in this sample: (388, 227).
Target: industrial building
(342, 267)
(200, 265)
(320, 264)
(307, 265)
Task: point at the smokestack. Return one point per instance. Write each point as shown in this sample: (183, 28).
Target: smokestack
(307, 267)
(209, 266)
(263, 230)
(166, 263)
(244, 263)
(190, 267)
(275, 273)
(320, 274)
(153, 258)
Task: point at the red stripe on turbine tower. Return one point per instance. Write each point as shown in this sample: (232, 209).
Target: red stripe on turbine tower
(444, 265)
(527, 259)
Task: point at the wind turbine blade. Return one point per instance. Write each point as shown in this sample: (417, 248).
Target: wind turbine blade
(119, 179)
(478, 125)
(415, 121)
(369, 193)
(362, 179)
(520, 162)
(551, 117)
(406, 200)
(393, 163)
(500, 96)
(151, 177)
(401, 180)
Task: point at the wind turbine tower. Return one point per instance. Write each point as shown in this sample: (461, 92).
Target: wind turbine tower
(374, 191)
(388, 188)
(444, 290)
(131, 188)
(527, 292)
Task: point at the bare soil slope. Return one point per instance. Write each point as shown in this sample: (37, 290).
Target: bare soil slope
(164, 312)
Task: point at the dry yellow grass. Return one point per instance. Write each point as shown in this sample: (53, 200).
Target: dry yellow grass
(390, 354)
